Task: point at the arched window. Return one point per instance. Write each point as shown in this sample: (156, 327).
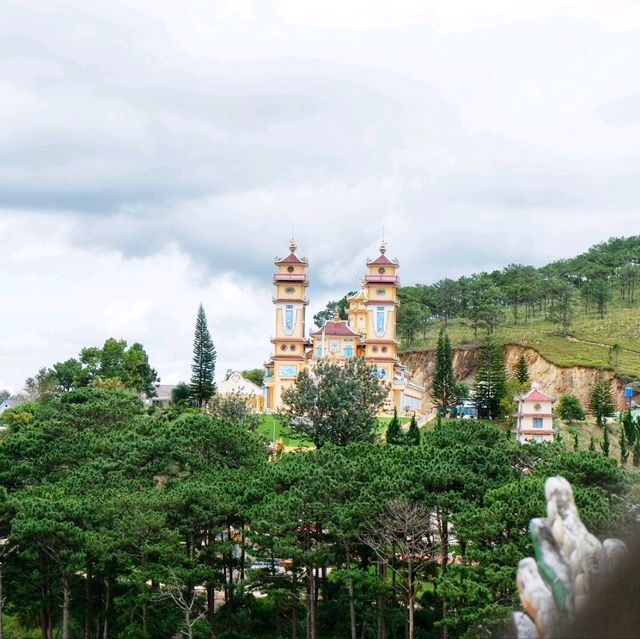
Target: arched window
(380, 321)
(289, 321)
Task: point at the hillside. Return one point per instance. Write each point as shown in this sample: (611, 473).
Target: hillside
(588, 344)
(581, 311)
(557, 379)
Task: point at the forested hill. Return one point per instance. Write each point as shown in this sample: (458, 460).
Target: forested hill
(581, 310)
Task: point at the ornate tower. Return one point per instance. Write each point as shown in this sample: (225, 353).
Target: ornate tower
(381, 284)
(380, 346)
(289, 340)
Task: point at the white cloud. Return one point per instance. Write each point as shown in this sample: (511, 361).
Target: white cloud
(156, 154)
(63, 300)
(447, 16)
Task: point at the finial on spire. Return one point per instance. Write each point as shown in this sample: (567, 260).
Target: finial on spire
(383, 247)
(336, 314)
(292, 245)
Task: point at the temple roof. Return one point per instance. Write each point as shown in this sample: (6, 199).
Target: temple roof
(361, 295)
(382, 260)
(536, 395)
(292, 258)
(336, 327)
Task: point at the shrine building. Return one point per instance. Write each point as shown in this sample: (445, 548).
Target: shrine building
(534, 416)
(369, 332)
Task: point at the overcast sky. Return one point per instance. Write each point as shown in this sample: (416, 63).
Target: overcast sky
(155, 154)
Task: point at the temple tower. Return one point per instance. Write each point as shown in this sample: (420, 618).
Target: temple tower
(381, 284)
(290, 301)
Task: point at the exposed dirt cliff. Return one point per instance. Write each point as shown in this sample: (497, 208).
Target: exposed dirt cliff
(553, 379)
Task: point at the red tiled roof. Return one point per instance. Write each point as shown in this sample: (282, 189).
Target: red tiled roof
(383, 260)
(292, 258)
(336, 327)
(537, 396)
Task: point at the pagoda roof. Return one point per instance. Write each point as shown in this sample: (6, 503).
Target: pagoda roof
(292, 258)
(536, 395)
(336, 327)
(361, 295)
(382, 260)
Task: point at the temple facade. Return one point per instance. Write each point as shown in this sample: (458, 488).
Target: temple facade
(369, 332)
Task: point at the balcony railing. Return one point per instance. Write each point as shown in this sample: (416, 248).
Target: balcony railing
(290, 277)
(382, 279)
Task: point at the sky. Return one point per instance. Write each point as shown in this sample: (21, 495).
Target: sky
(157, 154)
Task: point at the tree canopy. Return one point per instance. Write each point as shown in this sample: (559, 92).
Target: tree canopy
(335, 403)
(125, 524)
(115, 364)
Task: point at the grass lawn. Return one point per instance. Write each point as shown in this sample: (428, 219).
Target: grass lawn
(270, 424)
(271, 429)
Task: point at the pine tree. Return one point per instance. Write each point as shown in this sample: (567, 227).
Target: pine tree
(605, 442)
(600, 401)
(394, 433)
(491, 379)
(624, 446)
(574, 432)
(204, 361)
(413, 434)
(522, 372)
(636, 452)
(570, 409)
(633, 435)
(629, 427)
(445, 387)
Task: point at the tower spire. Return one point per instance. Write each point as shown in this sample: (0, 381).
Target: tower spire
(292, 245)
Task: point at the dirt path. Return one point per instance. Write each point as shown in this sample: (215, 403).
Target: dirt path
(571, 338)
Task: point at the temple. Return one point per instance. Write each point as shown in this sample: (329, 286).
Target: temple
(369, 332)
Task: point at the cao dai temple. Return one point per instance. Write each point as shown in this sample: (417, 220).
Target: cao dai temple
(369, 331)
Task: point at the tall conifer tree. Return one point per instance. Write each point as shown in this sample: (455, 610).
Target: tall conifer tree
(601, 401)
(491, 379)
(204, 361)
(636, 443)
(445, 388)
(522, 372)
(605, 444)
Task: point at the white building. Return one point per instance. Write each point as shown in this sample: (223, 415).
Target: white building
(236, 384)
(534, 416)
(162, 398)
(11, 402)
